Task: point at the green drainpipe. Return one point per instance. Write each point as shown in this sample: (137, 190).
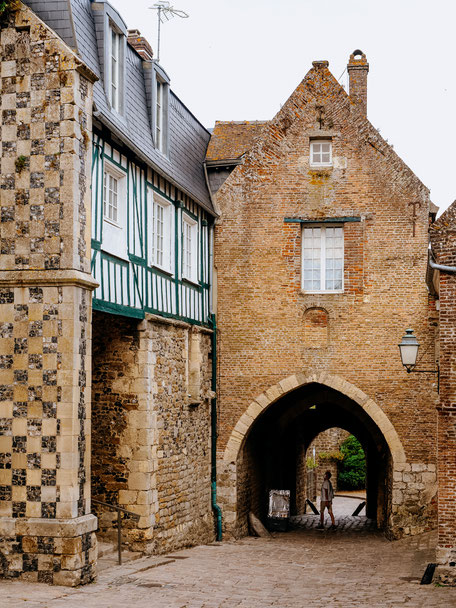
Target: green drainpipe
(217, 510)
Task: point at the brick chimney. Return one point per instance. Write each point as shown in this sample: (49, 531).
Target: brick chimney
(358, 69)
(140, 44)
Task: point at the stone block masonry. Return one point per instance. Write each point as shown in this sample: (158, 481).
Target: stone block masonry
(46, 529)
(151, 430)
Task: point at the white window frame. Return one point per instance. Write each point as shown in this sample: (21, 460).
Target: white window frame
(161, 232)
(159, 115)
(115, 69)
(315, 148)
(114, 239)
(189, 248)
(110, 179)
(315, 258)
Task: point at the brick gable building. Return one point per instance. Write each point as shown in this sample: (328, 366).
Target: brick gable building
(320, 254)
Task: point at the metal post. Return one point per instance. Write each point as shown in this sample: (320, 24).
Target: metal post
(119, 536)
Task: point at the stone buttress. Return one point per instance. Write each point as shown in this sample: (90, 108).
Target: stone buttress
(46, 529)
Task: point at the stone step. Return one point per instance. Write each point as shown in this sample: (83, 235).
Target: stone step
(108, 557)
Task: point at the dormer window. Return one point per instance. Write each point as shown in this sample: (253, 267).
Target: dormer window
(321, 153)
(111, 32)
(115, 65)
(159, 84)
(159, 123)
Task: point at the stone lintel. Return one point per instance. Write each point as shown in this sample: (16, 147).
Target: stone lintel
(176, 323)
(50, 278)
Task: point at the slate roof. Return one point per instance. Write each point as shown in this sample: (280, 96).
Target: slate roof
(73, 21)
(230, 140)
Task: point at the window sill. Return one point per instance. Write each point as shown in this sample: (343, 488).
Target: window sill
(112, 223)
(161, 270)
(326, 292)
(191, 282)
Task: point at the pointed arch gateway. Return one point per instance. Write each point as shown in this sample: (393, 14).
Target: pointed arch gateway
(279, 393)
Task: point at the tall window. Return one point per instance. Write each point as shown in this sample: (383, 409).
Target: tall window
(189, 249)
(321, 153)
(159, 116)
(114, 210)
(110, 197)
(115, 70)
(322, 258)
(161, 232)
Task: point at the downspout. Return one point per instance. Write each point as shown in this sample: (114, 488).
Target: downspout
(217, 510)
(215, 507)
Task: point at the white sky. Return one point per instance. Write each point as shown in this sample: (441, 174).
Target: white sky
(242, 59)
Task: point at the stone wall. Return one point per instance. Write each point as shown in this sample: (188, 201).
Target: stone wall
(45, 307)
(269, 329)
(151, 430)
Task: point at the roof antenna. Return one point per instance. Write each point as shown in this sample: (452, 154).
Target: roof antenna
(165, 13)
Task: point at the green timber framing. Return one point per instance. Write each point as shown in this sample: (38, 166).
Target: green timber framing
(129, 285)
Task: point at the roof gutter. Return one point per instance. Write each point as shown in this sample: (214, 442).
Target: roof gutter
(206, 178)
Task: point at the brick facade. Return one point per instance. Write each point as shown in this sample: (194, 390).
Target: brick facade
(443, 243)
(276, 339)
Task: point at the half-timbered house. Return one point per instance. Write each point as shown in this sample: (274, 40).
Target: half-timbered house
(112, 279)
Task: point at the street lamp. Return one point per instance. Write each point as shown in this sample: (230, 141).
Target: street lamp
(409, 352)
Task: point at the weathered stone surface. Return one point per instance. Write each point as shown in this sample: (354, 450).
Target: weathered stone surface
(45, 303)
(257, 528)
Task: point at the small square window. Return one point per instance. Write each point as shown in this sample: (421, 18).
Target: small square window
(321, 153)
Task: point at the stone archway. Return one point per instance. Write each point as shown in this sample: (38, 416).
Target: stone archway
(399, 518)
(265, 399)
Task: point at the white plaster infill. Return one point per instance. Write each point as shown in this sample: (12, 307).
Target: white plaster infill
(275, 392)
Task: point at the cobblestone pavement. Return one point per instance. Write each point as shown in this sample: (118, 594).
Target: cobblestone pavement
(298, 569)
(343, 507)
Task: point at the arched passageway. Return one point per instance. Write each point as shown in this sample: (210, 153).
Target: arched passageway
(270, 455)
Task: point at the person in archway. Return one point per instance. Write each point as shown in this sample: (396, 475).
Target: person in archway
(327, 495)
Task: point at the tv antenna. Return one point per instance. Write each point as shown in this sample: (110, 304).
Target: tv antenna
(165, 13)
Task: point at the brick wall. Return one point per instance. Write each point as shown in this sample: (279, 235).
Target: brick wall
(328, 441)
(263, 315)
(443, 242)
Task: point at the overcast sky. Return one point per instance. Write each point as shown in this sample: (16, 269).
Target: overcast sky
(242, 59)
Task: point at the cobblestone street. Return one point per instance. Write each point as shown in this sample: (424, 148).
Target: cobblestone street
(299, 569)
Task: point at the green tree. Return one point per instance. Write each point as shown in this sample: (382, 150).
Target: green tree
(352, 469)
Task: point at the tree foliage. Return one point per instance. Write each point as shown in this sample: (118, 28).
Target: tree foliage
(352, 469)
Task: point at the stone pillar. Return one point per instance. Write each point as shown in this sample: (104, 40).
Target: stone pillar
(46, 529)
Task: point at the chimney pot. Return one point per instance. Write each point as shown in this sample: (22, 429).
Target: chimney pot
(320, 64)
(140, 44)
(358, 69)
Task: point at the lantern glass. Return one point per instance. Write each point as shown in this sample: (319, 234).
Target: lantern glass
(409, 349)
